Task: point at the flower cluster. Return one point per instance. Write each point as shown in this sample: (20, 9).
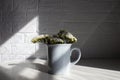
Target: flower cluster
(61, 37)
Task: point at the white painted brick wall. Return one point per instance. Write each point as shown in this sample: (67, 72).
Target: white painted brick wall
(18, 47)
(31, 26)
(90, 21)
(29, 36)
(5, 49)
(17, 38)
(18, 25)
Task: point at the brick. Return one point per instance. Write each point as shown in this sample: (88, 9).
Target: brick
(5, 32)
(7, 5)
(6, 28)
(41, 51)
(22, 57)
(26, 4)
(0, 58)
(11, 57)
(0, 37)
(0, 16)
(29, 36)
(7, 57)
(31, 26)
(23, 48)
(17, 38)
(5, 48)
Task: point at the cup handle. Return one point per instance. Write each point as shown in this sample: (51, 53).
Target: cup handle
(79, 54)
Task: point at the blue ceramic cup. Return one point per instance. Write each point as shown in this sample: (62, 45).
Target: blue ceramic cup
(59, 58)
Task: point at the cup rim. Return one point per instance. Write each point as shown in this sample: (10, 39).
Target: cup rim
(59, 44)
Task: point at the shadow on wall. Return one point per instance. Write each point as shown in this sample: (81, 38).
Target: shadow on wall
(104, 42)
(95, 23)
(14, 15)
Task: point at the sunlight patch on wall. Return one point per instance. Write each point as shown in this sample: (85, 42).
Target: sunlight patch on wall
(19, 46)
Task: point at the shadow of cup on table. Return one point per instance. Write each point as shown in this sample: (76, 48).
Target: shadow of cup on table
(59, 58)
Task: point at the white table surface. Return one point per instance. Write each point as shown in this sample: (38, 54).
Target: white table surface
(37, 70)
